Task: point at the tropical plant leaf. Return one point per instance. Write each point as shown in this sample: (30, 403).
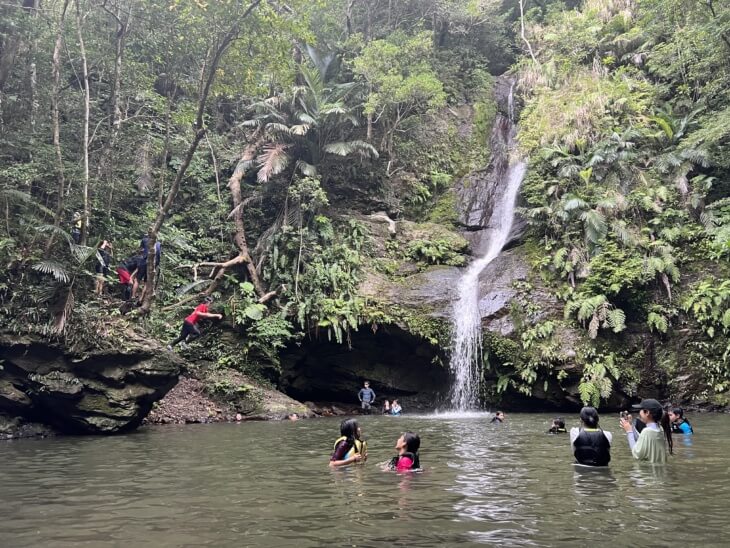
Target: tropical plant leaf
(55, 269)
(272, 162)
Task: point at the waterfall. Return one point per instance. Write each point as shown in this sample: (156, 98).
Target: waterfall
(466, 357)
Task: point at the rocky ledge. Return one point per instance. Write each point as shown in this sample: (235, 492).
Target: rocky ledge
(97, 389)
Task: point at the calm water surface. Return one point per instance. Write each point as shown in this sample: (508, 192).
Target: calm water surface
(268, 484)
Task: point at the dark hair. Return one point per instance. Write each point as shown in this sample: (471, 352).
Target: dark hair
(589, 416)
(663, 418)
(679, 412)
(560, 421)
(349, 428)
(208, 299)
(412, 441)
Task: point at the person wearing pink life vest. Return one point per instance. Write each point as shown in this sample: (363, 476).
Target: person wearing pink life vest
(190, 329)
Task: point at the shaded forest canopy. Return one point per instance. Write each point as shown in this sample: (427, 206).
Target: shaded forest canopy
(251, 138)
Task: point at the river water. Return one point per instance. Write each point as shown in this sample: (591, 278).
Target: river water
(268, 484)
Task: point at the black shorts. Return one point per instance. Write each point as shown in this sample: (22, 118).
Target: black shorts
(142, 272)
(103, 270)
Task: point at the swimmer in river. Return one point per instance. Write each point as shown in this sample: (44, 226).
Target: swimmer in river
(349, 447)
(557, 426)
(498, 418)
(407, 458)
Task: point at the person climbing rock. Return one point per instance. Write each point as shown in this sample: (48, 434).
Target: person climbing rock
(126, 269)
(190, 329)
(104, 258)
(366, 397)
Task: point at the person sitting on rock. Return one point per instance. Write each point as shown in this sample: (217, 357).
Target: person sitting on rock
(366, 397)
(190, 331)
(396, 409)
(349, 447)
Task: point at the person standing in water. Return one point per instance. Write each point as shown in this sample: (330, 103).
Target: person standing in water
(366, 397)
(679, 424)
(591, 445)
(190, 329)
(557, 426)
(349, 447)
(498, 418)
(396, 409)
(649, 445)
(407, 458)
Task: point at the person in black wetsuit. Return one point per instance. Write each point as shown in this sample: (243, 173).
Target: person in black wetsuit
(591, 445)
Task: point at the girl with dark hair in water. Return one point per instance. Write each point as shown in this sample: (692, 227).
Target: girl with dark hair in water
(591, 445)
(407, 458)
(349, 447)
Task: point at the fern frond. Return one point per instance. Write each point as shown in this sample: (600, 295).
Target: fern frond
(55, 269)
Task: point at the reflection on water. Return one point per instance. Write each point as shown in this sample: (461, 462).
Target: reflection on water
(268, 484)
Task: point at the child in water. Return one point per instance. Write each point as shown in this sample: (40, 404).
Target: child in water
(407, 458)
(349, 447)
(558, 426)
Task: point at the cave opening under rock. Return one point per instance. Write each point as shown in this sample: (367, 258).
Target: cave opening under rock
(397, 364)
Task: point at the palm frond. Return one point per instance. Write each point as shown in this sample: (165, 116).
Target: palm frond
(14, 195)
(61, 317)
(272, 162)
(55, 269)
(345, 148)
(192, 285)
(307, 169)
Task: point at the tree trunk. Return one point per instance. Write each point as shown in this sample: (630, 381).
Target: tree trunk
(106, 168)
(199, 128)
(87, 114)
(55, 120)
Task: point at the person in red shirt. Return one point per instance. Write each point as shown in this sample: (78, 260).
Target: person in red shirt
(190, 329)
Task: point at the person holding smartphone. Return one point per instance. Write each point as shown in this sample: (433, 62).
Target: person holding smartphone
(649, 445)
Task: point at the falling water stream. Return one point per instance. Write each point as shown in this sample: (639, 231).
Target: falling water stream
(466, 354)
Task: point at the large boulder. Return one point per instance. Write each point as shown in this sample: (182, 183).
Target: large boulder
(95, 388)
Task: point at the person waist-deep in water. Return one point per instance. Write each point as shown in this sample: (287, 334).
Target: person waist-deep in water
(366, 395)
(591, 445)
(190, 329)
(395, 409)
(557, 426)
(654, 443)
(679, 424)
(407, 458)
(349, 448)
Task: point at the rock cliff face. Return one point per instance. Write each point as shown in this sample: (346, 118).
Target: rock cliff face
(90, 390)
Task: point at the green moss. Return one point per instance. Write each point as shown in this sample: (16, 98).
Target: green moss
(435, 330)
(444, 210)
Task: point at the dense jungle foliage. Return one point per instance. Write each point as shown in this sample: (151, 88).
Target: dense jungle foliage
(250, 137)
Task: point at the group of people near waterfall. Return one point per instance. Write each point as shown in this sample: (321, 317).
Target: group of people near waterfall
(366, 396)
(649, 435)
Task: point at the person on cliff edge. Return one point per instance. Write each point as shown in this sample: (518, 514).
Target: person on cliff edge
(190, 329)
(366, 397)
